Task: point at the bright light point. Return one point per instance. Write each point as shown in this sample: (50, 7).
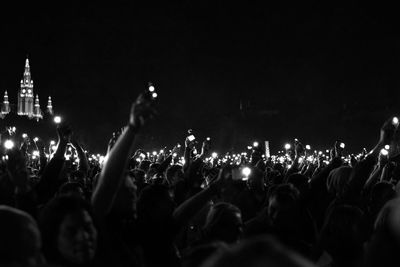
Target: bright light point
(387, 147)
(14, 129)
(320, 153)
(208, 138)
(395, 120)
(327, 151)
(8, 144)
(246, 171)
(249, 147)
(57, 119)
(35, 153)
(154, 153)
(174, 155)
(287, 146)
(161, 151)
(151, 88)
(214, 155)
(138, 159)
(35, 139)
(289, 166)
(342, 145)
(154, 95)
(308, 147)
(24, 135)
(54, 148)
(142, 155)
(384, 152)
(301, 160)
(52, 142)
(255, 144)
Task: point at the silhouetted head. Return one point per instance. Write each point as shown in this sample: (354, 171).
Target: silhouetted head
(69, 235)
(223, 223)
(20, 240)
(258, 252)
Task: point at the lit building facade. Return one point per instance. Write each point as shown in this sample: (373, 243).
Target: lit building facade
(28, 105)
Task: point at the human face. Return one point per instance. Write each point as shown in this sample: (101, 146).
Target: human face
(77, 238)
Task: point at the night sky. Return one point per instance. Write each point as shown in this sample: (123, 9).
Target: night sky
(235, 71)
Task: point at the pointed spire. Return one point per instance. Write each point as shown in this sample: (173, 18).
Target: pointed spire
(27, 62)
(37, 100)
(49, 106)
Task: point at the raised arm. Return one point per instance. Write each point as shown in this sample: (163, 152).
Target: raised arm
(112, 174)
(83, 161)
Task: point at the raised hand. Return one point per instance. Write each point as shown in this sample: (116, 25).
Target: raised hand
(64, 133)
(142, 110)
(388, 130)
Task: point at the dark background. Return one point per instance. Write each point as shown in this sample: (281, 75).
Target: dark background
(235, 71)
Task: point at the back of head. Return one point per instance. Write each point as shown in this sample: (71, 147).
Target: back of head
(381, 193)
(342, 234)
(385, 243)
(300, 182)
(20, 238)
(258, 252)
(337, 180)
(155, 203)
(223, 223)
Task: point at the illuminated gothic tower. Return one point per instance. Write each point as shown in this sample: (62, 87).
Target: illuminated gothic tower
(37, 113)
(25, 96)
(49, 106)
(5, 109)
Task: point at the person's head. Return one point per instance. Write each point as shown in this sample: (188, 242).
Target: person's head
(256, 180)
(283, 205)
(153, 169)
(342, 234)
(223, 223)
(174, 174)
(144, 165)
(337, 180)
(20, 240)
(198, 255)
(300, 182)
(384, 244)
(138, 175)
(381, 193)
(257, 252)
(155, 204)
(71, 188)
(69, 235)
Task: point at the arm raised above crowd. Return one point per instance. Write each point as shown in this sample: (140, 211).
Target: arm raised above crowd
(363, 169)
(112, 174)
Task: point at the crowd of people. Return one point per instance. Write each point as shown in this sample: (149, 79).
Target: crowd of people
(189, 208)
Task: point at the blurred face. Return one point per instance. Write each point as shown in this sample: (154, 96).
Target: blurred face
(77, 238)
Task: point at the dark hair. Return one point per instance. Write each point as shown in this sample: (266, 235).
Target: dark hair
(260, 251)
(149, 197)
(219, 217)
(18, 242)
(171, 172)
(342, 234)
(51, 217)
